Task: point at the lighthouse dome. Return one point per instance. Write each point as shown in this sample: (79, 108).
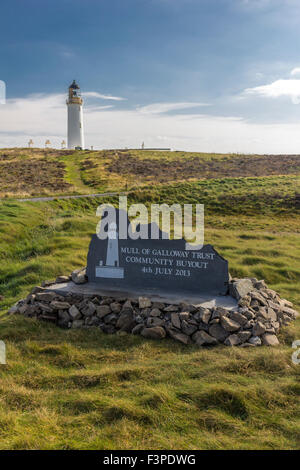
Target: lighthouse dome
(74, 85)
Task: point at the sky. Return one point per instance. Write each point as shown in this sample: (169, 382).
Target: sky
(197, 75)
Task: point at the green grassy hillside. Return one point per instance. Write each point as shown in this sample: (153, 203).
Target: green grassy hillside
(84, 389)
(35, 172)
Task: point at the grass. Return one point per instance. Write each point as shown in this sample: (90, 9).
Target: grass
(38, 172)
(84, 389)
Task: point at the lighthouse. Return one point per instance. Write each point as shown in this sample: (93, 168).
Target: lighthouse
(75, 117)
(112, 268)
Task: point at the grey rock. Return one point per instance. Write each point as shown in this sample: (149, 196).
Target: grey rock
(260, 285)
(244, 301)
(276, 326)
(257, 296)
(158, 305)
(116, 307)
(64, 315)
(175, 320)
(89, 309)
(127, 307)
(144, 302)
(110, 318)
(274, 305)
(28, 310)
(61, 279)
(184, 315)
(30, 299)
(271, 331)
(290, 312)
(272, 294)
(239, 318)
(248, 325)
(218, 332)
(92, 321)
(156, 332)
(47, 283)
(79, 276)
(106, 301)
(44, 307)
(155, 312)
(188, 328)
(139, 319)
(258, 329)
(244, 336)
(240, 288)
(74, 312)
(58, 305)
(201, 338)
(219, 312)
(37, 289)
(126, 321)
(262, 313)
(145, 312)
(171, 308)
(270, 340)
(205, 315)
(45, 296)
(103, 310)
(271, 314)
(248, 314)
(77, 324)
(52, 317)
(137, 329)
(232, 340)
(229, 325)
(178, 336)
(284, 319)
(184, 307)
(154, 321)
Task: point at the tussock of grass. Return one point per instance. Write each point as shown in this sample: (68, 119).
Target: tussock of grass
(99, 392)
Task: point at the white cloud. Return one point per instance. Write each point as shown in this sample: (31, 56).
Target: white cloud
(279, 88)
(255, 3)
(2, 92)
(158, 108)
(42, 117)
(295, 71)
(95, 94)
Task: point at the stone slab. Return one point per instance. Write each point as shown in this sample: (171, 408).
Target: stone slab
(153, 262)
(91, 289)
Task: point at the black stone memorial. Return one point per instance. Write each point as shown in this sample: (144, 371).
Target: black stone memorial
(161, 266)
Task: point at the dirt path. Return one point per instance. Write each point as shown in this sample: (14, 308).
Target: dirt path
(77, 196)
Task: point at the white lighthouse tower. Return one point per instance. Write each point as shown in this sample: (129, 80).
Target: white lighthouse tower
(112, 268)
(75, 117)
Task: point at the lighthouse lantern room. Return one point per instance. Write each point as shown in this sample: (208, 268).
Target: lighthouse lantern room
(75, 117)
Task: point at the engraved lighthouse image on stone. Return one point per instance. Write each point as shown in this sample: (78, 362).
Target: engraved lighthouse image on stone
(111, 269)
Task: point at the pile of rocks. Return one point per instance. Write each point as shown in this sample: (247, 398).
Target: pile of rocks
(255, 321)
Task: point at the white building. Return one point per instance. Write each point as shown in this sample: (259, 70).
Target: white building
(75, 117)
